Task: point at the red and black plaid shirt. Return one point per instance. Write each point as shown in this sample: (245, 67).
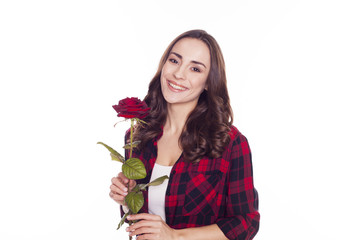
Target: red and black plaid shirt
(213, 191)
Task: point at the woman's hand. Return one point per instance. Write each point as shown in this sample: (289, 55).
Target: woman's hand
(118, 188)
(150, 226)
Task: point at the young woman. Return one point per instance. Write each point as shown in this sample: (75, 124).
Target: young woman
(189, 136)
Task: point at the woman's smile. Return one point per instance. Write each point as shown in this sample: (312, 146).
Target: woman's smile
(176, 87)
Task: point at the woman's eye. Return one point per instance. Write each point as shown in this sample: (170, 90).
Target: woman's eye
(173, 60)
(196, 69)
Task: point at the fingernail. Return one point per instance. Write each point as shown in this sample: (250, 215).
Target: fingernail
(125, 189)
(128, 217)
(127, 229)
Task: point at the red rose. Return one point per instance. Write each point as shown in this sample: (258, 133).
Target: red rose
(132, 108)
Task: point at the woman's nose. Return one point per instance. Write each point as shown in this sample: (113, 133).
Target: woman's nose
(180, 73)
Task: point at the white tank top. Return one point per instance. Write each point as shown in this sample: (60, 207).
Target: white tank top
(156, 194)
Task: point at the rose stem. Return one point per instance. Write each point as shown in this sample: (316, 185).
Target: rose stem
(131, 148)
(131, 136)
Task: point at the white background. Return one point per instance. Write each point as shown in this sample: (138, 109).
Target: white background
(293, 73)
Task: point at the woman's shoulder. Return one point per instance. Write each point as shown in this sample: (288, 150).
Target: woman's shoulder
(236, 134)
(238, 141)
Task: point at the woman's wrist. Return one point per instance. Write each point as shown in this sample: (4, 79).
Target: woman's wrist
(178, 234)
(204, 232)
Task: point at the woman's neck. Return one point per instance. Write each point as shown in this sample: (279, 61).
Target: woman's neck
(177, 115)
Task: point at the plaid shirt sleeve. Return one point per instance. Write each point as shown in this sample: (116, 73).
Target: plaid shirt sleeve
(241, 220)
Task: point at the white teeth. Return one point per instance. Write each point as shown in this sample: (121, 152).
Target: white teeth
(176, 86)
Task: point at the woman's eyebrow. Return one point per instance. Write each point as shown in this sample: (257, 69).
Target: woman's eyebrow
(193, 61)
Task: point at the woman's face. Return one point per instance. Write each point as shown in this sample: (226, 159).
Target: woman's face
(184, 74)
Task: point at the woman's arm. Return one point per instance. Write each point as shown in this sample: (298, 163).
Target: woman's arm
(241, 220)
(153, 227)
(211, 232)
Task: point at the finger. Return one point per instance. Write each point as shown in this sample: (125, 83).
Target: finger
(147, 237)
(156, 224)
(142, 224)
(123, 177)
(117, 190)
(144, 230)
(117, 198)
(125, 180)
(117, 182)
(132, 184)
(144, 216)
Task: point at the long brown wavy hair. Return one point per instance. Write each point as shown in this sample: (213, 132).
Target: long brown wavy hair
(206, 131)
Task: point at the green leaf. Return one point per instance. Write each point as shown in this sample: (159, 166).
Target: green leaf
(133, 168)
(136, 188)
(142, 187)
(139, 187)
(135, 201)
(158, 181)
(114, 154)
(135, 143)
(117, 158)
(122, 221)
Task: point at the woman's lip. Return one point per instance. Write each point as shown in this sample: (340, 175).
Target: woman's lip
(178, 85)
